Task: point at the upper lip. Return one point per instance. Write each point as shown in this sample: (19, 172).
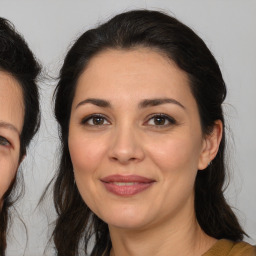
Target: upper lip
(126, 178)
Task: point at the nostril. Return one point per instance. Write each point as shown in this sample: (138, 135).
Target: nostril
(124, 159)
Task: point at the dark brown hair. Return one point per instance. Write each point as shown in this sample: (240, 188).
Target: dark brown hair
(76, 223)
(17, 60)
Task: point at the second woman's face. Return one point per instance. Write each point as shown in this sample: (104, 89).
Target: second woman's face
(11, 122)
(135, 139)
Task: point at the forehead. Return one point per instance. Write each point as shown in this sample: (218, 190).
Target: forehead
(132, 74)
(11, 101)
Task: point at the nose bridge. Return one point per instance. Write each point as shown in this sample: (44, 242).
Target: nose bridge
(126, 145)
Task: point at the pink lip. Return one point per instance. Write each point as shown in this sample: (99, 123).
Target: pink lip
(139, 184)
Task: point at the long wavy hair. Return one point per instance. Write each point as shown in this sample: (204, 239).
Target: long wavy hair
(76, 224)
(17, 60)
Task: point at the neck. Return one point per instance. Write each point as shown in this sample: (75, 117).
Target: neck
(169, 238)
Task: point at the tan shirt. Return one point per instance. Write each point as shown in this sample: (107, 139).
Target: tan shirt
(228, 248)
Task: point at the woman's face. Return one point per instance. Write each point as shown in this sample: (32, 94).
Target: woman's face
(11, 122)
(135, 139)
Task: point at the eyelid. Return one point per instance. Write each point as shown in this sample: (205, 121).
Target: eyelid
(85, 120)
(170, 119)
(4, 142)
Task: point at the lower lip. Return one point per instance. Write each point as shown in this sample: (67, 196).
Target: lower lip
(127, 190)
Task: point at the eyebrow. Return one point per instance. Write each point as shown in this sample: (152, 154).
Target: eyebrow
(143, 104)
(97, 102)
(157, 102)
(8, 126)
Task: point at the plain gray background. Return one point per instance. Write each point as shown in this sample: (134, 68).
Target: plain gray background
(229, 29)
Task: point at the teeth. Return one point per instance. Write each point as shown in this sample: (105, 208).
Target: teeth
(124, 183)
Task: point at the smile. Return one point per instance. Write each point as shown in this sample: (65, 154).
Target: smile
(126, 185)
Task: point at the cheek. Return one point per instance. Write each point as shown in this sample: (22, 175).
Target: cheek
(8, 169)
(86, 153)
(176, 154)
(176, 159)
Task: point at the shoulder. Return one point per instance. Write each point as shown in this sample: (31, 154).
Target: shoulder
(229, 248)
(243, 248)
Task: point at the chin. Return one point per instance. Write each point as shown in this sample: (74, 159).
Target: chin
(127, 218)
(125, 223)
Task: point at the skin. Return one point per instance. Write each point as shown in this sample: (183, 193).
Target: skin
(129, 140)
(11, 123)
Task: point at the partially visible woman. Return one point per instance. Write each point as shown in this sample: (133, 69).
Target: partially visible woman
(19, 114)
(139, 104)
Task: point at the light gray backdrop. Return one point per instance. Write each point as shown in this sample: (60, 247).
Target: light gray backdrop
(229, 29)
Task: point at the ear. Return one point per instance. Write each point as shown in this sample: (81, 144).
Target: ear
(210, 145)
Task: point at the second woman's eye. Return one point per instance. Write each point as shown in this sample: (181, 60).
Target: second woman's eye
(161, 120)
(4, 141)
(95, 120)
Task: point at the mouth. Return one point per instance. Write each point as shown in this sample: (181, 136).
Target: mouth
(126, 185)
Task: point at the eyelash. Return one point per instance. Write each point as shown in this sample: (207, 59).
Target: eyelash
(91, 117)
(4, 142)
(171, 120)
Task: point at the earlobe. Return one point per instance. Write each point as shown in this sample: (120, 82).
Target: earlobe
(210, 145)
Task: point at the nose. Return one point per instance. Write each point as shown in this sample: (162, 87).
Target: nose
(126, 146)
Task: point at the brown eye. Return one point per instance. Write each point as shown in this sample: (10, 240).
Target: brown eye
(98, 120)
(161, 120)
(95, 120)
